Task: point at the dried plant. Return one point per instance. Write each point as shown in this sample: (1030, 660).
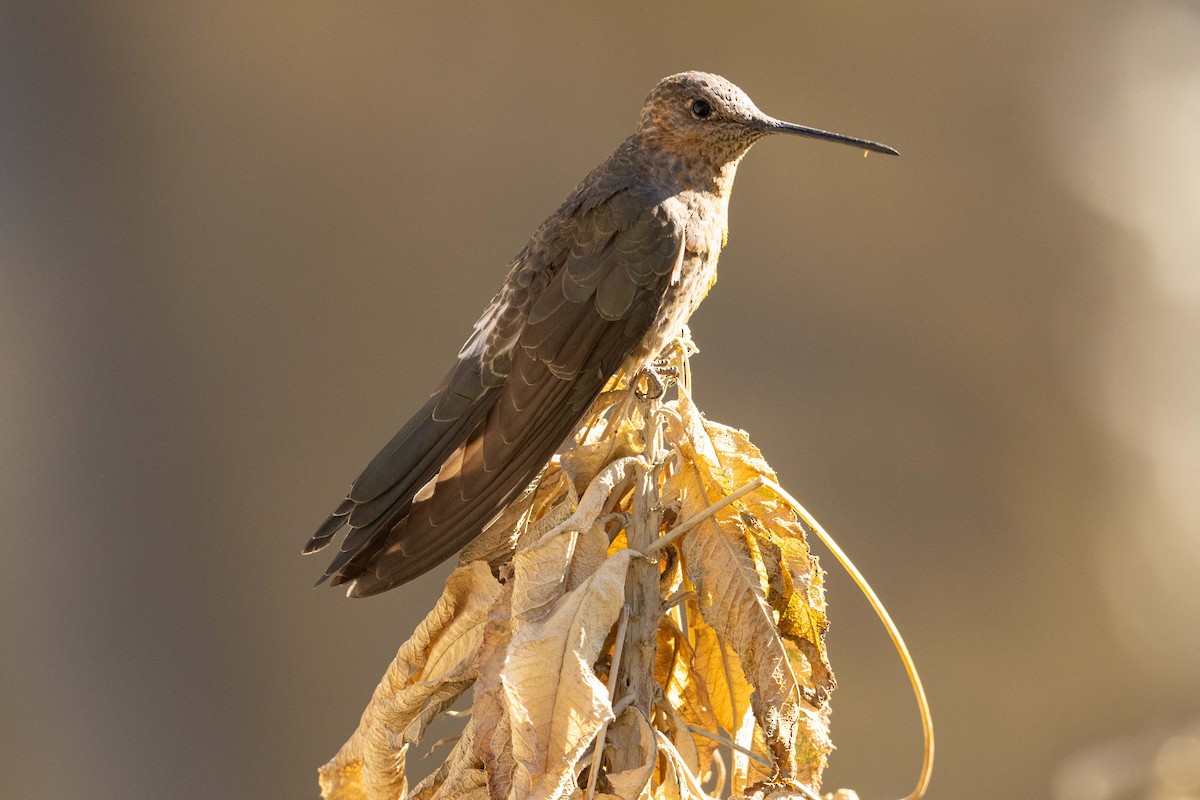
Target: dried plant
(646, 621)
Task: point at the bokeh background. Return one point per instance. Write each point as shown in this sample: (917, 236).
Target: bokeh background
(240, 242)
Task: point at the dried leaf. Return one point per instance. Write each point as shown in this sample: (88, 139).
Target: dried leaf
(459, 773)
(538, 578)
(754, 774)
(732, 599)
(745, 771)
(342, 782)
(676, 729)
(466, 784)
(489, 711)
(685, 694)
(591, 549)
(554, 502)
(766, 542)
(442, 650)
(684, 782)
(593, 502)
(800, 597)
(442, 698)
(721, 670)
(584, 462)
(556, 702)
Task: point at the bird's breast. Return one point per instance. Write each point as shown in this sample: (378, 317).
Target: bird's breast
(697, 274)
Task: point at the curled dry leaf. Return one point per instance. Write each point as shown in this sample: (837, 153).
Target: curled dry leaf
(528, 624)
(556, 703)
(441, 651)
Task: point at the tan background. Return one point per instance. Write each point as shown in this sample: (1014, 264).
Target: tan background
(239, 244)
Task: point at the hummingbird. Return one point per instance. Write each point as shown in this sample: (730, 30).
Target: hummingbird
(603, 285)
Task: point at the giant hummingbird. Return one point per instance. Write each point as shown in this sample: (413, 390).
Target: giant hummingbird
(604, 284)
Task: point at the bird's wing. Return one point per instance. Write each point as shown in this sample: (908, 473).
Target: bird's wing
(538, 358)
(414, 455)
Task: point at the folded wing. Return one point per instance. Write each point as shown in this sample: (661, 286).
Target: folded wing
(562, 325)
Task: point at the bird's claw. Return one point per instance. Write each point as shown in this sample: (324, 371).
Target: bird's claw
(658, 376)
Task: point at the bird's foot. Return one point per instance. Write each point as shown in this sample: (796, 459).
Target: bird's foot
(665, 364)
(656, 379)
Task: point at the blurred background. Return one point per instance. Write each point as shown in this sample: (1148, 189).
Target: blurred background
(240, 243)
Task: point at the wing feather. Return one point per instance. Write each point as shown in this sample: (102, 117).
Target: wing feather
(536, 361)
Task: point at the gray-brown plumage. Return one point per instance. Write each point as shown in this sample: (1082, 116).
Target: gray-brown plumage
(602, 286)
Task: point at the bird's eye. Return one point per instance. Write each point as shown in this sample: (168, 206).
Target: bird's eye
(701, 108)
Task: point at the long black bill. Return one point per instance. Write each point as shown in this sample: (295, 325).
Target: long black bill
(780, 126)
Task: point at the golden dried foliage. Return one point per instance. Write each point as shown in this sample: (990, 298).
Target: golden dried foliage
(550, 607)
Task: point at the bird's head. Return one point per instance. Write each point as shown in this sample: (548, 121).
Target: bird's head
(707, 122)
